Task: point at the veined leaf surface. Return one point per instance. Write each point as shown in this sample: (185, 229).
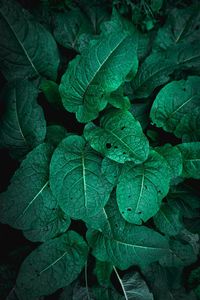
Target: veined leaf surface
(76, 178)
(27, 48)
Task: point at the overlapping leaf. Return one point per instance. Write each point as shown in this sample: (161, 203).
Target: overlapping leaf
(98, 72)
(141, 188)
(22, 125)
(27, 48)
(119, 137)
(63, 258)
(76, 178)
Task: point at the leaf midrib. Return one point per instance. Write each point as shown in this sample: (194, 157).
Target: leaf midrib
(103, 63)
(20, 43)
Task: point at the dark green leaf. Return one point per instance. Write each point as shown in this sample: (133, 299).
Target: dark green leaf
(27, 48)
(22, 126)
(51, 266)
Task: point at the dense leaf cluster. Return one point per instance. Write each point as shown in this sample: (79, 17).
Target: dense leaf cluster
(129, 73)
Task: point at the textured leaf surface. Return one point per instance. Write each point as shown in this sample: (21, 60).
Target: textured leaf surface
(76, 178)
(191, 159)
(103, 272)
(27, 48)
(68, 26)
(158, 66)
(168, 220)
(111, 169)
(51, 266)
(119, 137)
(127, 238)
(98, 72)
(135, 287)
(174, 101)
(28, 203)
(189, 127)
(180, 255)
(182, 26)
(22, 126)
(141, 188)
(173, 157)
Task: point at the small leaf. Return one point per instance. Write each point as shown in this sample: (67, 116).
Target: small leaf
(119, 138)
(55, 134)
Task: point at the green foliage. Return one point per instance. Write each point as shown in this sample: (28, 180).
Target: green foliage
(101, 114)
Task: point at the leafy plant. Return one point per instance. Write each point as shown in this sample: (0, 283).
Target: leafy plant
(100, 114)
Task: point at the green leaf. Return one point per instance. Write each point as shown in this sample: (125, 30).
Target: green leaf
(106, 293)
(168, 220)
(22, 126)
(68, 27)
(118, 100)
(191, 159)
(111, 170)
(127, 238)
(103, 272)
(76, 179)
(174, 102)
(182, 26)
(51, 266)
(27, 48)
(189, 127)
(173, 158)
(28, 204)
(158, 66)
(51, 92)
(153, 72)
(55, 134)
(140, 111)
(119, 138)
(91, 77)
(180, 255)
(141, 188)
(135, 287)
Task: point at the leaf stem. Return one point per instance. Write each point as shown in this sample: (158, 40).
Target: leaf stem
(121, 283)
(86, 282)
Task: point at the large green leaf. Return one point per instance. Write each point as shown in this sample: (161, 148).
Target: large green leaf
(22, 126)
(142, 187)
(91, 77)
(76, 178)
(119, 137)
(27, 48)
(28, 203)
(174, 102)
(127, 238)
(51, 266)
(191, 159)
